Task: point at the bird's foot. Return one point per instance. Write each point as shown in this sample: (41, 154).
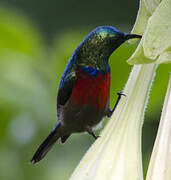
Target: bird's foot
(91, 132)
(120, 94)
(94, 136)
(110, 112)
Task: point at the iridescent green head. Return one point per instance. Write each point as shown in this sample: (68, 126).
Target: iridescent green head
(96, 48)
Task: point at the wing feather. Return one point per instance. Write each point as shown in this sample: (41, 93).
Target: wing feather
(66, 88)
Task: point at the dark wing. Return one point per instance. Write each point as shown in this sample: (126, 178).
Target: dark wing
(65, 88)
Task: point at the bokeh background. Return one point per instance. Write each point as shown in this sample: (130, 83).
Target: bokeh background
(36, 40)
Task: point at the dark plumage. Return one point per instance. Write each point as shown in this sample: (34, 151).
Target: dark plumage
(83, 95)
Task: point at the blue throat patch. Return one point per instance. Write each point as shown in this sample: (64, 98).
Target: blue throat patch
(93, 71)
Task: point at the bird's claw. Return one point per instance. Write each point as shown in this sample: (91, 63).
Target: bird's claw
(121, 93)
(97, 137)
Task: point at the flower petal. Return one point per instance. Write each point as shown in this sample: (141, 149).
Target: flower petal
(160, 163)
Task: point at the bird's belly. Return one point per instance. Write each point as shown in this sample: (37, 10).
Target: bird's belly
(79, 119)
(88, 103)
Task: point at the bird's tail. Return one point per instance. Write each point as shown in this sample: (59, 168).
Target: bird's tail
(47, 144)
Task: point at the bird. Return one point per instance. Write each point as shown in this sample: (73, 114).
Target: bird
(84, 89)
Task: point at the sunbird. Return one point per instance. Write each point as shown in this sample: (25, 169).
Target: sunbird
(84, 90)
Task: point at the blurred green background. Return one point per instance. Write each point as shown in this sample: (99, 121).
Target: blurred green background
(36, 40)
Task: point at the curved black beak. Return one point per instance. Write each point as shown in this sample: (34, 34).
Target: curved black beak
(132, 36)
